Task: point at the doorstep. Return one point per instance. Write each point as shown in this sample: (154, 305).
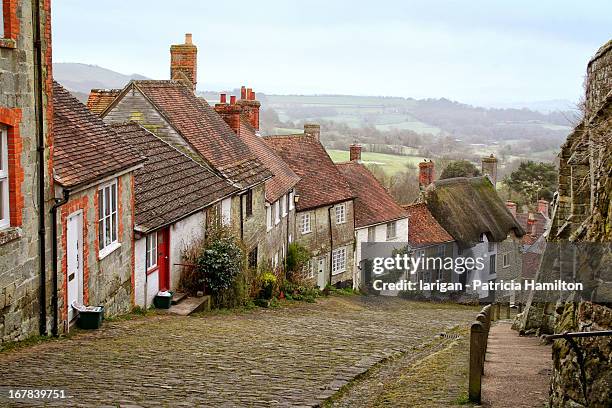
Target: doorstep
(189, 305)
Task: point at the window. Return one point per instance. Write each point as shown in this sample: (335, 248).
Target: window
(371, 234)
(291, 200)
(269, 217)
(1, 18)
(151, 251)
(492, 264)
(107, 218)
(305, 224)
(506, 260)
(338, 261)
(391, 230)
(308, 269)
(253, 259)
(284, 205)
(4, 183)
(491, 246)
(276, 212)
(249, 203)
(341, 214)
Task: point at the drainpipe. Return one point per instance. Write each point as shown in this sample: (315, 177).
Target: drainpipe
(54, 303)
(241, 218)
(331, 243)
(40, 150)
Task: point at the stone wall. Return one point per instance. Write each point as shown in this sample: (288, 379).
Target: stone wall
(19, 244)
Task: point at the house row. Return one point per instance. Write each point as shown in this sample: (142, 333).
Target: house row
(100, 201)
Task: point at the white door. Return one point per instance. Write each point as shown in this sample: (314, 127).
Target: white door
(321, 273)
(74, 261)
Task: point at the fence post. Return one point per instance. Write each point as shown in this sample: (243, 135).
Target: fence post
(478, 335)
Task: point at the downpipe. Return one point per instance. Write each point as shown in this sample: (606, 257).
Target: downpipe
(54, 299)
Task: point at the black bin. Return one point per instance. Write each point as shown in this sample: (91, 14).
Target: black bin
(90, 320)
(162, 302)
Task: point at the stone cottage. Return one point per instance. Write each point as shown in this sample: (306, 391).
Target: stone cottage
(94, 174)
(26, 287)
(172, 196)
(378, 217)
(242, 116)
(324, 206)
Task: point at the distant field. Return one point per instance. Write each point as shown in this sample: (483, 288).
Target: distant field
(389, 162)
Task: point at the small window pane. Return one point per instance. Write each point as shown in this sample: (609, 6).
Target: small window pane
(114, 197)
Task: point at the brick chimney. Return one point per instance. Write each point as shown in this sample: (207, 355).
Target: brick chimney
(426, 173)
(511, 207)
(184, 62)
(355, 152)
(543, 207)
(313, 129)
(489, 168)
(250, 106)
(229, 112)
(531, 222)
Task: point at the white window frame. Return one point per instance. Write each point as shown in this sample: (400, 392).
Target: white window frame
(340, 213)
(308, 269)
(106, 244)
(391, 227)
(276, 212)
(506, 260)
(338, 260)
(291, 200)
(2, 34)
(284, 205)
(305, 224)
(5, 213)
(269, 217)
(371, 234)
(151, 251)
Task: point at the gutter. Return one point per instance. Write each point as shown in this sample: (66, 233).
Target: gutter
(54, 303)
(40, 158)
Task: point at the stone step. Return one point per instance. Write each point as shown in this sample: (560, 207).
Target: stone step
(177, 297)
(190, 305)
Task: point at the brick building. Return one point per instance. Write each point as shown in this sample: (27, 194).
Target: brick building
(26, 290)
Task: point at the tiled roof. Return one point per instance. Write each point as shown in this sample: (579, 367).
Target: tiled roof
(468, 207)
(321, 183)
(373, 204)
(539, 227)
(99, 99)
(205, 131)
(284, 178)
(423, 229)
(85, 149)
(171, 185)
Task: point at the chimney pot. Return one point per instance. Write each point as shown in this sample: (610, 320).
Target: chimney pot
(188, 39)
(511, 206)
(243, 92)
(543, 207)
(233, 100)
(249, 93)
(223, 98)
(426, 173)
(313, 129)
(355, 152)
(253, 96)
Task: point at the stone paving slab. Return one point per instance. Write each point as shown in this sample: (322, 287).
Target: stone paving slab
(294, 356)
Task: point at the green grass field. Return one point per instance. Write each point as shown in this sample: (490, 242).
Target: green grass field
(389, 162)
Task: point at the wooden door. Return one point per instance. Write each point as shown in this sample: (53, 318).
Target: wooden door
(163, 258)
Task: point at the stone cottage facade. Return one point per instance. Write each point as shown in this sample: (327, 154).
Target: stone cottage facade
(94, 175)
(26, 290)
(324, 207)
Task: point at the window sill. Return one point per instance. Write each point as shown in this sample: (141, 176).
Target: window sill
(108, 250)
(306, 232)
(9, 234)
(338, 272)
(8, 43)
(152, 269)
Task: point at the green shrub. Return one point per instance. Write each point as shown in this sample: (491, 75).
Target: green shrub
(297, 258)
(268, 281)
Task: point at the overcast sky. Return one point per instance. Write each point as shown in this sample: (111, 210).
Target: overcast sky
(475, 51)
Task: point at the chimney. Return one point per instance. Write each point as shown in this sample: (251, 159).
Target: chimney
(511, 207)
(223, 98)
(543, 207)
(489, 168)
(531, 222)
(426, 174)
(313, 129)
(230, 113)
(184, 62)
(355, 152)
(250, 106)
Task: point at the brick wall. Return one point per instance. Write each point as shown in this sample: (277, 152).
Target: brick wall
(19, 244)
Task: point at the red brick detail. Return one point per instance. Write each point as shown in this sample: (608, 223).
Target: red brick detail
(426, 173)
(230, 114)
(70, 207)
(11, 118)
(96, 242)
(11, 21)
(184, 62)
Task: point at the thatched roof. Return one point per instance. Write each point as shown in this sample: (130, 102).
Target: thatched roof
(470, 207)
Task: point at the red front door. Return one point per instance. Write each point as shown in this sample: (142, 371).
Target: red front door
(163, 258)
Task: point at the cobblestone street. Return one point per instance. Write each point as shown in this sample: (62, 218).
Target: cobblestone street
(296, 355)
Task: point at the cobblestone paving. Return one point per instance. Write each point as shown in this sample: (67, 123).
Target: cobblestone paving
(297, 355)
